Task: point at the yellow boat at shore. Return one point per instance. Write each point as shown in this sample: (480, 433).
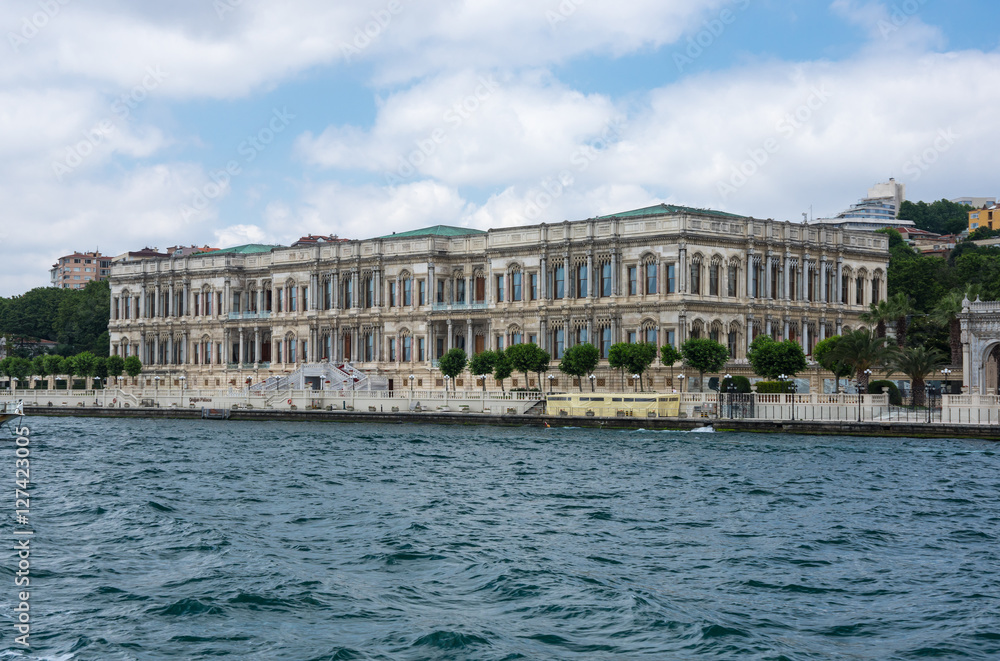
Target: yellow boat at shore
(614, 405)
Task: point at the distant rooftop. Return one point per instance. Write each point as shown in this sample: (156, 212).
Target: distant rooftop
(249, 249)
(435, 230)
(662, 209)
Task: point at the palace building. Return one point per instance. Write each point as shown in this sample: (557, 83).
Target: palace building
(393, 305)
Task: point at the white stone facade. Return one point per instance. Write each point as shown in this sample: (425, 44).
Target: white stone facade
(393, 305)
(980, 321)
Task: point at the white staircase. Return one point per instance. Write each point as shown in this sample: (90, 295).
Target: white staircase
(331, 377)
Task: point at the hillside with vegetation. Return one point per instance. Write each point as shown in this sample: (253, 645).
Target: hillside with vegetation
(75, 319)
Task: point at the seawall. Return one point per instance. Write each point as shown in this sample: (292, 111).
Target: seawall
(876, 429)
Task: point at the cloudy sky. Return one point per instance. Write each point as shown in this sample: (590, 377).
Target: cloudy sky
(222, 122)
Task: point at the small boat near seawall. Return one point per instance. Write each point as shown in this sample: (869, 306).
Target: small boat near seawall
(10, 410)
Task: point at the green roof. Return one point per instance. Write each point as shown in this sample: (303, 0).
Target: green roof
(436, 230)
(249, 249)
(663, 209)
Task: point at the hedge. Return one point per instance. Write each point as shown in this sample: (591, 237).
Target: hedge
(879, 387)
(775, 387)
(741, 382)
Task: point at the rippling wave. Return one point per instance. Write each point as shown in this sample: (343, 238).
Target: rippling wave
(312, 542)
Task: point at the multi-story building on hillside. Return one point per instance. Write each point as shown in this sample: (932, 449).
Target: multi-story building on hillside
(395, 304)
(76, 270)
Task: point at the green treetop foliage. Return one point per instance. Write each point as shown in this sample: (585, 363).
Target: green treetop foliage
(704, 355)
(983, 233)
(917, 363)
(895, 238)
(452, 363)
(579, 361)
(640, 356)
(133, 366)
(941, 217)
(669, 356)
(482, 365)
(116, 365)
(618, 358)
(823, 353)
(85, 363)
(75, 318)
(502, 369)
(101, 369)
(862, 350)
(526, 358)
(771, 359)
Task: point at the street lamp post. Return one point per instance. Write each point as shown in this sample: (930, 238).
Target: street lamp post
(593, 380)
(681, 377)
(781, 379)
(182, 379)
(551, 379)
(944, 381)
(635, 383)
(727, 384)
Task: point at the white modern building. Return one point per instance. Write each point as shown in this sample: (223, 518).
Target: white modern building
(879, 210)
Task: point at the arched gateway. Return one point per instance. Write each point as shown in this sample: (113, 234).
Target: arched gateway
(981, 347)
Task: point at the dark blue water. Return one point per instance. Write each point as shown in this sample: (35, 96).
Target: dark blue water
(198, 540)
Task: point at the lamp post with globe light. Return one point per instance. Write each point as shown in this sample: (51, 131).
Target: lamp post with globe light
(593, 381)
(551, 379)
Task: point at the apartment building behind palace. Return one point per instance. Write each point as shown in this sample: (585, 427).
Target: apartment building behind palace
(395, 304)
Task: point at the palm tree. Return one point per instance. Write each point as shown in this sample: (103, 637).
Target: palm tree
(946, 313)
(878, 315)
(861, 350)
(902, 308)
(917, 363)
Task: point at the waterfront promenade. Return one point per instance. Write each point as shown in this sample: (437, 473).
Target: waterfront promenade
(867, 415)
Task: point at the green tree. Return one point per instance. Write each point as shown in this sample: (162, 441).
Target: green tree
(879, 315)
(540, 364)
(901, 310)
(925, 278)
(640, 356)
(482, 364)
(669, 356)
(862, 350)
(502, 369)
(771, 359)
(704, 355)
(38, 366)
(527, 358)
(822, 353)
(452, 364)
(917, 363)
(19, 368)
(101, 370)
(116, 365)
(83, 317)
(895, 238)
(946, 313)
(53, 367)
(133, 366)
(941, 217)
(85, 363)
(618, 358)
(70, 369)
(579, 361)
